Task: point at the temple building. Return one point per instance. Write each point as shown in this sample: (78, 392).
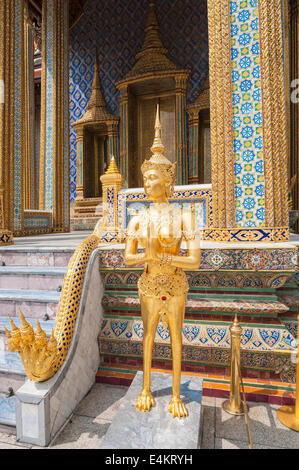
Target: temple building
(80, 81)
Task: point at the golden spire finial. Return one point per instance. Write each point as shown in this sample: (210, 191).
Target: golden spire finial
(157, 147)
(112, 169)
(158, 160)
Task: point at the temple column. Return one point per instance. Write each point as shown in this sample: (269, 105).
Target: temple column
(112, 129)
(193, 171)
(29, 156)
(124, 136)
(54, 146)
(80, 159)
(181, 134)
(294, 102)
(249, 144)
(12, 136)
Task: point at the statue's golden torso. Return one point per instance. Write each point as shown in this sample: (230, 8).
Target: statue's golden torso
(165, 228)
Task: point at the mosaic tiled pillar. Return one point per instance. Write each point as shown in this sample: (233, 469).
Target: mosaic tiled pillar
(248, 121)
(113, 141)
(80, 156)
(181, 133)
(294, 111)
(29, 150)
(193, 121)
(11, 118)
(124, 142)
(54, 149)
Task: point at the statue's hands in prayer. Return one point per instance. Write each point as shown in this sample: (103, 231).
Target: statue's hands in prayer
(150, 252)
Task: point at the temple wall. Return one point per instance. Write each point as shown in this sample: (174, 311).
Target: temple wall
(116, 28)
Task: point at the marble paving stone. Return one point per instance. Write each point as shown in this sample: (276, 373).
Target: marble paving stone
(4, 445)
(102, 401)
(11, 439)
(208, 423)
(233, 444)
(132, 429)
(266, 428)
(81, 433)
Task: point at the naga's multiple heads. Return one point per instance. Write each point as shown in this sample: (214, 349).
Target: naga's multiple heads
(37, 353)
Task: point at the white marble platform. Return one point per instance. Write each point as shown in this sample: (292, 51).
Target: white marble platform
(157, 429)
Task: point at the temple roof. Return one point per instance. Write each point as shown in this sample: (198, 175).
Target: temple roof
(152, 59)
(96, 110)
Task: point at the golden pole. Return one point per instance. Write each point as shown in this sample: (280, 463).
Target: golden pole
(289, 415)
(234, 405)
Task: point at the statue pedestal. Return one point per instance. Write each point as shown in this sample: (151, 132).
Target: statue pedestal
(157, 429)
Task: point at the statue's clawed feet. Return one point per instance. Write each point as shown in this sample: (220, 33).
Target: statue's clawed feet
(177, 408)
(145, 401)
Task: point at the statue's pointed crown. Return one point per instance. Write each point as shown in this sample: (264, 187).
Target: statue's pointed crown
(158, 160)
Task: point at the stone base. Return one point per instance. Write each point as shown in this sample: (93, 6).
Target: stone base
(157, 429)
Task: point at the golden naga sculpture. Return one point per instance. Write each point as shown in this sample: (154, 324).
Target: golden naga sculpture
(42, 358)
(37, 353)
(163, 286)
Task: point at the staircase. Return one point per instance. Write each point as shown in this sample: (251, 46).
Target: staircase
(31, 278)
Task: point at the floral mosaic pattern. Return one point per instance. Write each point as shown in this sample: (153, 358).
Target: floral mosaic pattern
(282, 259)
(204, 334)
(247, 114)
(18, 120)
(204, 279)
(252, 307)
(49, 164)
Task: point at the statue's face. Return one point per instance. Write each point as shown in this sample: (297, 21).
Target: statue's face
(154, 184)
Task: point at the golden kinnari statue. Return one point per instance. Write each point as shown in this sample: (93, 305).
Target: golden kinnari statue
(163, 286)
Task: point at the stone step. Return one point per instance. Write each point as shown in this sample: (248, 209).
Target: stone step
(11, 363)
(35, 256)
(33, 303)
(47, 326)
(31, 277)
(7, 410)
(12, 373)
